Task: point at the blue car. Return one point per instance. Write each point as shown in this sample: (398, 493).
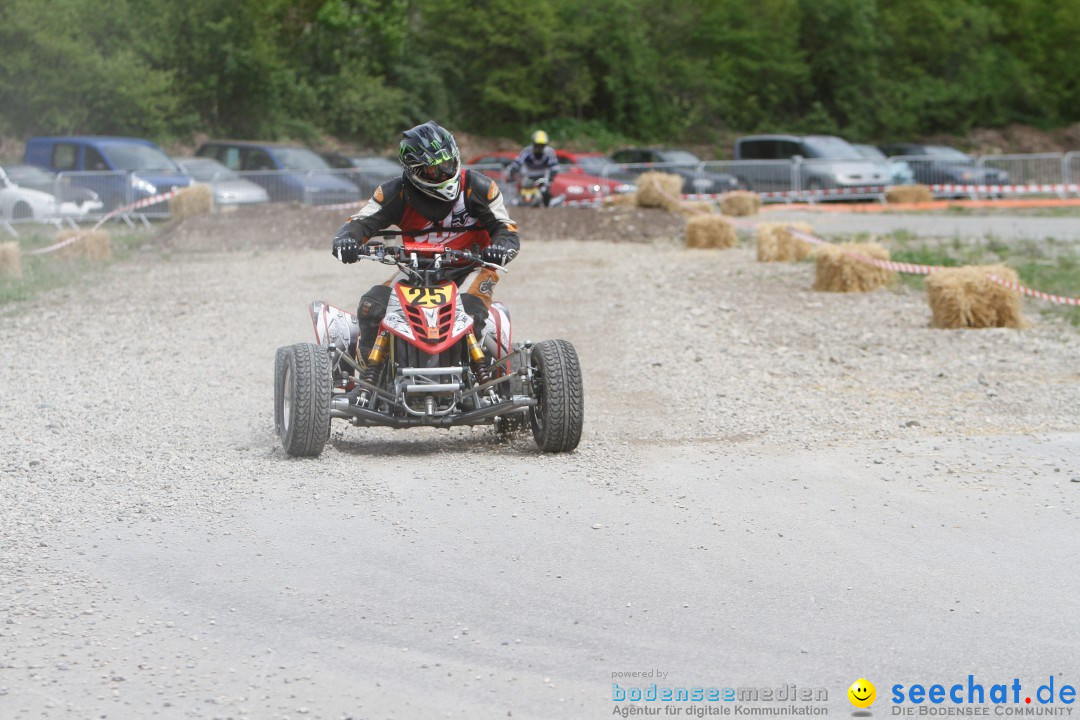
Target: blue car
(289, 173)
(121, 170)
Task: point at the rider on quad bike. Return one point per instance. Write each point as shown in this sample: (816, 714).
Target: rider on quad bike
(537, 161)
(434, 201)
(429, 348)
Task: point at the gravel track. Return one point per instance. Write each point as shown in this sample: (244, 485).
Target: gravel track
(773, 485)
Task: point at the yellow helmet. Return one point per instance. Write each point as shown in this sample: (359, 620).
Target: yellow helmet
(540, 138)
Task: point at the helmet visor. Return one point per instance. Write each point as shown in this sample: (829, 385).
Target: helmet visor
(440, 173)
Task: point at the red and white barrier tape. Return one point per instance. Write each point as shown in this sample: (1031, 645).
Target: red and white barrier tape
(116, 212)
(1006, 189)
(880, 189)
(825, 192)
(941, 188)
(914, 269)
(1031, 292)
(828, 192)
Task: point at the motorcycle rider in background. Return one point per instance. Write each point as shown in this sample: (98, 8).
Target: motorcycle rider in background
(537, 160)
(459, 209)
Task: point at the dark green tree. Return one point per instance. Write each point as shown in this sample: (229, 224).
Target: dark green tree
(73, 67)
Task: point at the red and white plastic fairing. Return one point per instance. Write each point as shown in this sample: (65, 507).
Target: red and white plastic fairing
(431, 319)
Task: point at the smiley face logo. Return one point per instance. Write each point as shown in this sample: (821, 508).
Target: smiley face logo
(862, 693)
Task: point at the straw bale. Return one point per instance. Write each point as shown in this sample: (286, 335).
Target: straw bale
(835, 270)
(775, 243)
(10, 260)
(739, 203)
(197, 199)
(659, 190)
(908, 194)
(710, 231)
(965, 297)
(92, 244)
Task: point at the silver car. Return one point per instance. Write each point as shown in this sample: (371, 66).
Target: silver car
(804, 162)
(229, 188)
(901, 172)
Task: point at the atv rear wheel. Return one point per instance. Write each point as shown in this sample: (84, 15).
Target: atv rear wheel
(558, 415)
(302, 392)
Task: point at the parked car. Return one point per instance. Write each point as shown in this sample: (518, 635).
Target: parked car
(764, 163)
(677, 162)
(74, 202)
(289, 173)
(597, 165)
(900, 173)
(572, 183)
(18, 203)
(489, 161)
(943, 165)
(119, 169)
(228, 187)
(365, 172)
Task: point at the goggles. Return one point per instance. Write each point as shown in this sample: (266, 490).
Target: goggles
(438, 173)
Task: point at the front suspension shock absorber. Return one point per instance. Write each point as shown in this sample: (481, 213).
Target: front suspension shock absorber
(375, 359)
(476, 354)
(484, 373)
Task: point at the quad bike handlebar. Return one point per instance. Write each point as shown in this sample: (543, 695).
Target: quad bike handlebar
(414, 256)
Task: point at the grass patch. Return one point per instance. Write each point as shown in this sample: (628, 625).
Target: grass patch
(47, 272)
(1059, 276)
(1066, 211)
(927, 255)
(924, 254)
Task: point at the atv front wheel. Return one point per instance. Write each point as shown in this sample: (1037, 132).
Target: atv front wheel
(558, 415)
(302, 392)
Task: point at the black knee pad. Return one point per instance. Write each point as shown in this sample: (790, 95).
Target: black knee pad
(373, 303)
(370, 312)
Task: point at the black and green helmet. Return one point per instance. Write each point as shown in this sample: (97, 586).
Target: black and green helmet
(431, 160)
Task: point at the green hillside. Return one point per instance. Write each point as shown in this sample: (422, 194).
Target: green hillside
(607, 70)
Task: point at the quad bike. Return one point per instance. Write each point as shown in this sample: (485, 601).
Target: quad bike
(427, 366)
(530, 190)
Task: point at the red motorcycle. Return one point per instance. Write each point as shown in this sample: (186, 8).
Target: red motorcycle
(428, 365)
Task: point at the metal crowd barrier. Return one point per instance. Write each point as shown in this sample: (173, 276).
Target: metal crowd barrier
(1070, 165)
(1034, 169)
(806, 179)
(88, 196)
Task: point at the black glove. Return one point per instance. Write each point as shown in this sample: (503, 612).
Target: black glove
(346, 248)
(497, 254)
(373, 247)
